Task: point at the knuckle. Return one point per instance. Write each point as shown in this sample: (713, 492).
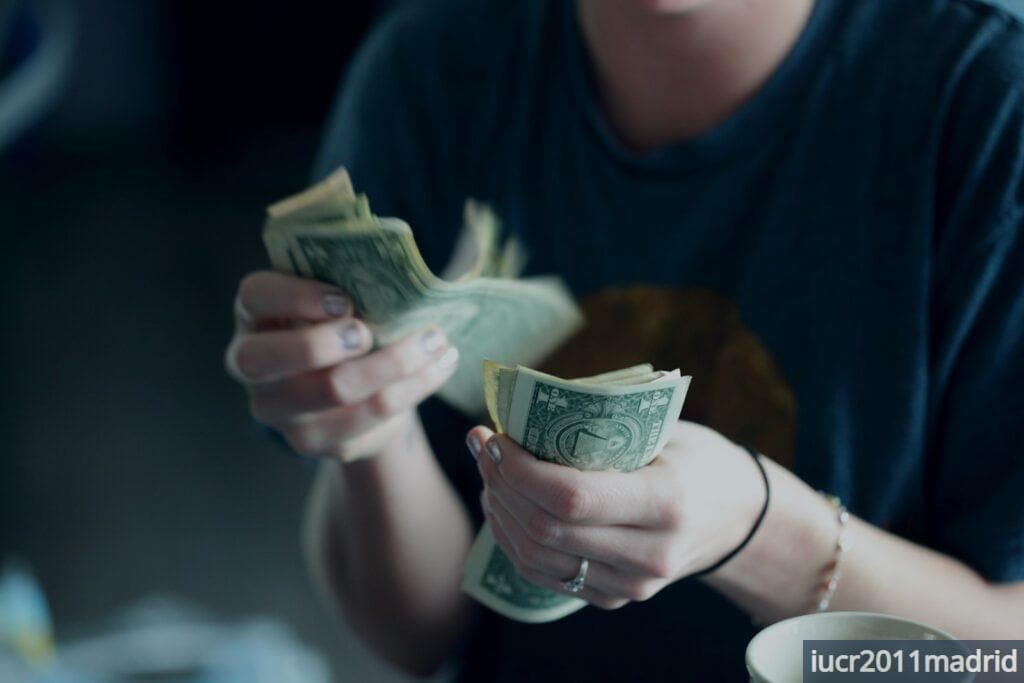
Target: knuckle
(671, 513)
(659, 564)
(246, 359)
(608, 603)
(250, 287)
(649, 590)
(334, 387)
(641, 591)
(570, 503)
(345, 451)
(633, 593)
(382, 404)
(543, 529)
(303, 441)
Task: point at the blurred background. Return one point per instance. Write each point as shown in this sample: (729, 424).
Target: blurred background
(139, 143)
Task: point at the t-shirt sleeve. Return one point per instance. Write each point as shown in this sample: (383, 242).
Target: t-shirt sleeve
(976, 475)
(388, 127)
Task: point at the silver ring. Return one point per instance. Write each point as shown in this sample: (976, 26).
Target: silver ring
(575, 584)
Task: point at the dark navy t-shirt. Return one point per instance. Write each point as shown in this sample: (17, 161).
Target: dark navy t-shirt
(840, 266)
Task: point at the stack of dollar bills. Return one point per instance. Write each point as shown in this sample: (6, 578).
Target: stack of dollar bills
(618, 420)
(328, 233)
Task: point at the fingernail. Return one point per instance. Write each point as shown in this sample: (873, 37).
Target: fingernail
(432, 340)
(494, 450)
(450, 357)
(473, 443)
(351, 336)
(337, 305)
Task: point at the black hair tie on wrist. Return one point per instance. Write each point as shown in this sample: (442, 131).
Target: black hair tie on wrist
(757, 523)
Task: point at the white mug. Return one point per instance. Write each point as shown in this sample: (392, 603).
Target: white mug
(775, 655)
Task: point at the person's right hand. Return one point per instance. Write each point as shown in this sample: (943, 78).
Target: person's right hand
(303, 358)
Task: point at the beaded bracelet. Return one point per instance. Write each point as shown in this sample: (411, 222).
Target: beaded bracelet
(828, 589)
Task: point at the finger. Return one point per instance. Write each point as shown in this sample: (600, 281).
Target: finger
(268, 356)
(646, 551)
(311, 392)
(631, 549)
(268, 296)
(580, 497)
(590, 593)
(359, 379)
(556, 564)
(328, 431)
(346, 384)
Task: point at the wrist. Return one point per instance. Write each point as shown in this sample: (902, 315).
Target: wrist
(752, 507)
(777, 575)
(405, 437)
(384, 460)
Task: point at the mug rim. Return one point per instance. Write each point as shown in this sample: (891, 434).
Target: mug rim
(827, 616)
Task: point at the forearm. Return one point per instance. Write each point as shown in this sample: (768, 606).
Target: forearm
(885, 573)
(777, 574)
(386, 538)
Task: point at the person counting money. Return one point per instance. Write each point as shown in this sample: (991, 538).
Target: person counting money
(814, 207)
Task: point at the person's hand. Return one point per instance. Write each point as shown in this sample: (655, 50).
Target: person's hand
(640, 531)
(305, 362)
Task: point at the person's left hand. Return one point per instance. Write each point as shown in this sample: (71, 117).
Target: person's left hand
(640, 531)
